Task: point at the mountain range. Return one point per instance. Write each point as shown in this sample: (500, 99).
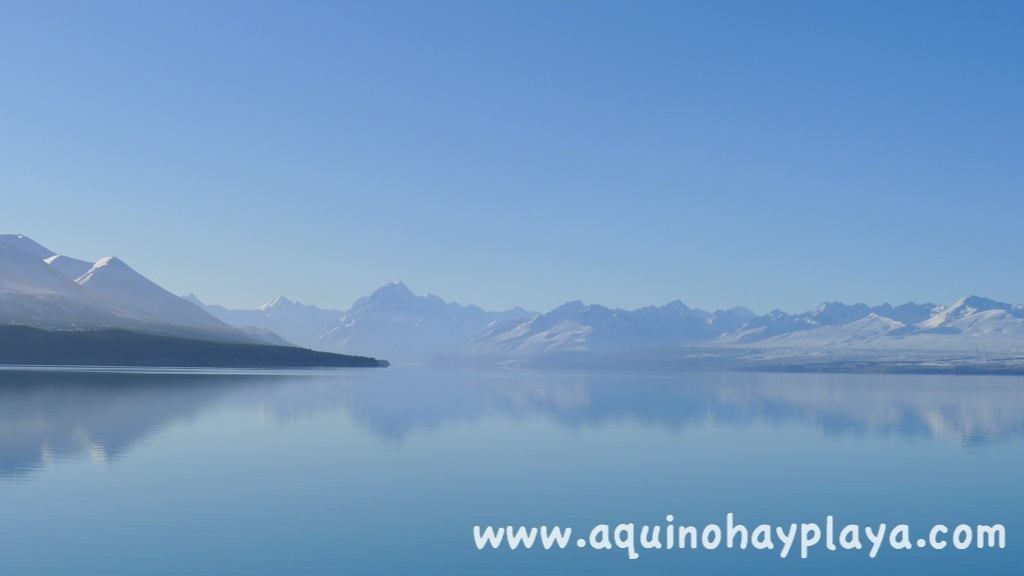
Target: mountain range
(58, 309)
(391, 323)
(971, 334)
(42, 289)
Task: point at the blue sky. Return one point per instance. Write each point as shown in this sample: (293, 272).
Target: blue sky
(767, 154)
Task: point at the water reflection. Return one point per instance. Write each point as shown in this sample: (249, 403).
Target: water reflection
(968, 410)
(47, 416)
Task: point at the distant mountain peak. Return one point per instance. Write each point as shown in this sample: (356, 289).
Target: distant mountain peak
(110, 265)
(980, 303)
(392, 291)
(49, 290)
(972, 304)
(836, 305)
(570, 307)
(966, 306)
(677, 305)
(825, 306)
(276, 302)
(112, 261)
(193, 299)
(25, 244)
(742, 311)
(73, 268)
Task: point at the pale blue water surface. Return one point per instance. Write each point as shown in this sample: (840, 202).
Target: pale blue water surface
(386, 471)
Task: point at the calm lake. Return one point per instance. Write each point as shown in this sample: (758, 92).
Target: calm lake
(387, 471)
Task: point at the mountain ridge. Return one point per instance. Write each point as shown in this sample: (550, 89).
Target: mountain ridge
(41, 288)
(831, 336)
(426, 329)
(60, 310)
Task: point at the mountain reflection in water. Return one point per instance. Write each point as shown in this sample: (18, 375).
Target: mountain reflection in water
(48, 415)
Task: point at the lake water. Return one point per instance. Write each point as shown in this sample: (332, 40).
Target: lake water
(387, 471)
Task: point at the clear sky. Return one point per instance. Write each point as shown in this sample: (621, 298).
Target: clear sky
(766, 154)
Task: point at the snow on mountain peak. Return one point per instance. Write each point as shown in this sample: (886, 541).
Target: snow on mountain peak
(836, 314)
(22, 273)
(73, 268)
(133, 295)
(279, 301)
(108, 266)
(44, 289)
(979, 303)
(112, 261)
(25, 244)
(962, 308)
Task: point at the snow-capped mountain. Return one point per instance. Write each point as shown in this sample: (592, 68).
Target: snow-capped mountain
(970, 323)
(300, 324)
(25, 244)
(829, 314)
(966, 312)
(575, 327)
(35, 294)
(133, 295)
(391, 323)
(43, 289)
(403, 327)
(396, 324)
(673, 335)
(73, 268)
